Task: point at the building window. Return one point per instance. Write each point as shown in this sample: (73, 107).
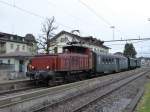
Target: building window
(30, 49)
(11, 38)
(11, 46)
(23, 47)
(64, 39)
(18, 47)
(55, 50)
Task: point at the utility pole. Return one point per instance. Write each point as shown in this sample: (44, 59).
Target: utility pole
(113, 31)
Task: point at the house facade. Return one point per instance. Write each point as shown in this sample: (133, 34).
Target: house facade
(11, 43)
(65, 39)
(16, 50)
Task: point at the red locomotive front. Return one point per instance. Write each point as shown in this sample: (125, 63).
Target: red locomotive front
(75, 59)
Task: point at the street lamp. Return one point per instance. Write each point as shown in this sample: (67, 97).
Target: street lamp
(113, 30)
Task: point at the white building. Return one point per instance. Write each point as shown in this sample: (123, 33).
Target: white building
(145, 61)
(65, 38)
(16, 50)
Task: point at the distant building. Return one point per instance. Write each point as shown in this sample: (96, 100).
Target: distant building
(11, 43)
(145, 61)
(66, 39)
(16, 50)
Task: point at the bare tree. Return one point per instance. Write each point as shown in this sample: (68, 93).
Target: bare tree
(48, 29)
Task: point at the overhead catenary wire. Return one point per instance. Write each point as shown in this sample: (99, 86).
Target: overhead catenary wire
(100, 17)
(29, 12)
(67, 13)
(95, 13)
(77, 18)
(141, 41)
(41, 17)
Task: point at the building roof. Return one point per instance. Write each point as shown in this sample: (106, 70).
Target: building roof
(89, 39)
(145, 58)
(119, 53)
(28, 39)
(16, 54)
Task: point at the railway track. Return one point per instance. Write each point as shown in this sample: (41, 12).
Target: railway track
(66, 92)
(120, 84)
(10, 87)
(14, 86)
(108, 90)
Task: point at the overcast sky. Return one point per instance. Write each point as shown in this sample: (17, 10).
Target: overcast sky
(130, 18)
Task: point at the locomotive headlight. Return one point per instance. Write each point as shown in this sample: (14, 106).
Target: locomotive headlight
(47, 67)
(32, 67)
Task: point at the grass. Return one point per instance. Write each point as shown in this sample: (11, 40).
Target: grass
(144, 105)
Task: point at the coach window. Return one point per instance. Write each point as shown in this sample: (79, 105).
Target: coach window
(1, 61)
(106, 62)
(112, 60)
(103, 60)
(109, 60)
(99, 59)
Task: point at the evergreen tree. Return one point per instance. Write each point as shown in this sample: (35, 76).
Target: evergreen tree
(129, 50)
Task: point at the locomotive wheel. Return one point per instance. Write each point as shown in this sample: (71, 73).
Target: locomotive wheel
(36, 82)
(67, 77)
(50, 83)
